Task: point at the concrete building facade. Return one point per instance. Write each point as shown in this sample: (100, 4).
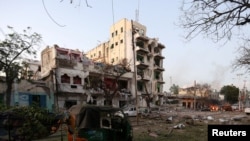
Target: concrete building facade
(67, 72)
(194, 97)
(128, 41)
(27, 89)
(64, 71)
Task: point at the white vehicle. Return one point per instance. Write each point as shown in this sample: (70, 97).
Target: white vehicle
(235, 107)
(247, 110)
(130, 111)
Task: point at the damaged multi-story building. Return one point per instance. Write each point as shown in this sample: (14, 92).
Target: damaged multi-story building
(128, 40)
(66, 70)
(63, 70)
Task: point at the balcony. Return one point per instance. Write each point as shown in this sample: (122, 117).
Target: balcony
(160, 81)
(160, 46)
(142, 38)
(141, 50)
(158, 68)
(96, 92)
(158, 78)
(65, 63)
(145, 78)
(142, 93)
(158, 56)
(70, 88)
(141, 65)
(150, 54)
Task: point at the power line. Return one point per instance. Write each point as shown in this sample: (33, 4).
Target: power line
(88, 4)
(51, 16)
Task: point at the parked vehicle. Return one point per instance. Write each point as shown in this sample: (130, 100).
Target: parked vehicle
(235, 107)
(206, 109)
(98, 123)
(130, 111)
(247, 110)
(226, 107)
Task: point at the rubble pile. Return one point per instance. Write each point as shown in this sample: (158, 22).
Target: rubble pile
(172, 120)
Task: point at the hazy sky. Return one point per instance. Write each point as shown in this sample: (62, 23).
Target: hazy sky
(81, 26)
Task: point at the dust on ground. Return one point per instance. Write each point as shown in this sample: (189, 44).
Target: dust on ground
(177, 119)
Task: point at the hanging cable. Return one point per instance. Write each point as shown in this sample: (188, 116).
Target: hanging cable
(51, 16)
(88, 4)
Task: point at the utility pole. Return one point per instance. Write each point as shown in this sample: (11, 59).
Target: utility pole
(239, 96)
(243, 97)
(135, 74)
(170, 85)
(16, 94)
(194, 95)
(54, 79)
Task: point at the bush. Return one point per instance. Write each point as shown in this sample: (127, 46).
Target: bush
(28, 123)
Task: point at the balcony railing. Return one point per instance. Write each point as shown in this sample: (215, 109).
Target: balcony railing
(141, 64)
(145, 78)
(158, 68)
(158, 55)
(141, 50)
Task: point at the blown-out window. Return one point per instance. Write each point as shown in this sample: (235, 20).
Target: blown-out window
(77, 80)
(65, 78)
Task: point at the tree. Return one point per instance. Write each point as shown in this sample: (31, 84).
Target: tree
(25, 72)
(29, 122)
(214, 18)
(148, 97)
(115, 72)
(243, 60)
(219, 20)
(14, 47)
(174, 89)
(231, 93)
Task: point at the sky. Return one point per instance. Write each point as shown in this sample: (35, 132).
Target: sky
(83, 26)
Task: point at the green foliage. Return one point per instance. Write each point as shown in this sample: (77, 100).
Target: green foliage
(231, 93)
(174, 89)
(14, 47)
(29, 123)
(2, 107)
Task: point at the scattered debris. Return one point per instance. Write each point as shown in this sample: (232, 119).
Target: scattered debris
(169, 119)
(185, 118)
(237, 118)
(221, 120)
(152, 134)
(179, 126)
(210, 118)
(170, 131)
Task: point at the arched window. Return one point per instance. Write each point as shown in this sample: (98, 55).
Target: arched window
(77, 80)
(65, 78)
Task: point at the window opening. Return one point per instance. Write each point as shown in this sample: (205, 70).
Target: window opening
(77, 80)
(65, 78)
